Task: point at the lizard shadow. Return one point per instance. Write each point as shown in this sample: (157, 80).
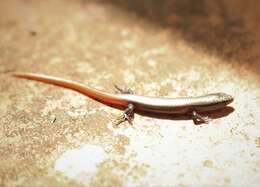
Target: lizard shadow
(212, 115)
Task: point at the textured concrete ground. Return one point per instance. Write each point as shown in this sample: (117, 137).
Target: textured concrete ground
(50, 136)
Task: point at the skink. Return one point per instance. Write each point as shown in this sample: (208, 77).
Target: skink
(132, 103)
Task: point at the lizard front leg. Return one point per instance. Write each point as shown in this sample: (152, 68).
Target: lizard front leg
(199, 119)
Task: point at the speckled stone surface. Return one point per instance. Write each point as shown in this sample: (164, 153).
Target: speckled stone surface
(50, 136)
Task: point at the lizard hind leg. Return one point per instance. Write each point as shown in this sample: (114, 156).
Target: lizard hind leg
(128, 115)
(123, 90)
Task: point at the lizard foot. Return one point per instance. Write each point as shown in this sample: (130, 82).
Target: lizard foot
(128, 115)
(198, 119)
(123, 90)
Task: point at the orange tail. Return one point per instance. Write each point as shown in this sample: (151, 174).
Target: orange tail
(103, 97)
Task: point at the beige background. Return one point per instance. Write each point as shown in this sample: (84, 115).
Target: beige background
(51, 136)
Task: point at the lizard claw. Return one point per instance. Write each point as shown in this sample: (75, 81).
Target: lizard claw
(198, 119)
(123, 90)
(128, 115)
(123, 118)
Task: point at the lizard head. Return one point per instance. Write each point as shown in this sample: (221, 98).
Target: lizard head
(224, 98)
